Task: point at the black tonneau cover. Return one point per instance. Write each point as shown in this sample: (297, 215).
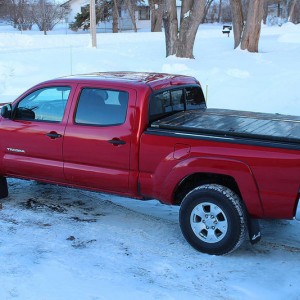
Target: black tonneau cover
(230, 123)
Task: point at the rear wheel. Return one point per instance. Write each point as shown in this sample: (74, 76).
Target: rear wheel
(213, 219)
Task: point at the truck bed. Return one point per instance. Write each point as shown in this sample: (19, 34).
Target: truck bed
(230, 123)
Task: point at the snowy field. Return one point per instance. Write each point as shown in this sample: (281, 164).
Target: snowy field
(60, 243)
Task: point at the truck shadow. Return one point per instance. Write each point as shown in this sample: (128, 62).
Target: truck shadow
(79, 207)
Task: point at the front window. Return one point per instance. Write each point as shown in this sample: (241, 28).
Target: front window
(47, 104)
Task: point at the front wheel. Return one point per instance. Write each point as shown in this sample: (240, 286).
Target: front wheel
(213, 219)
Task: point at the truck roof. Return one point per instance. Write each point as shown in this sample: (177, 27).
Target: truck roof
(155, 80)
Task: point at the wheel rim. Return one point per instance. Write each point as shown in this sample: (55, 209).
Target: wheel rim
(209, 222)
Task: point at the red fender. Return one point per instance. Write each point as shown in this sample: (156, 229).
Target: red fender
(240, 171)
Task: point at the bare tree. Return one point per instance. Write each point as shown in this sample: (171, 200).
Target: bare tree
(180, 41)
(2, 4)
(18, 13)
(237, 21)
(156, 9)
(3, 8)
(252, 29)
(206, 9)
(116, 16)
(47, 14)
(220, 11)
(11, 9)
(247, 36)
(171, 26)
(266, 8)
(294, 12)
(245, 7)
(226, 15)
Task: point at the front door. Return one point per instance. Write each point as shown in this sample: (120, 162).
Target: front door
(32, 140)
(98, 138)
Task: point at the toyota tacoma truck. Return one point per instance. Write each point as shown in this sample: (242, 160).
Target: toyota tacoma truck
(151, 136)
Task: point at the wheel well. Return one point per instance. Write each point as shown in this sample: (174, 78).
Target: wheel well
(194, 180)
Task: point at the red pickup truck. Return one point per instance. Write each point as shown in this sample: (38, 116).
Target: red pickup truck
(150, 136)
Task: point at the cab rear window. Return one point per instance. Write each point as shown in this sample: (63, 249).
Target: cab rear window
(168, 102)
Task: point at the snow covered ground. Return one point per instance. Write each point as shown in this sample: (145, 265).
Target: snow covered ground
(60, 243)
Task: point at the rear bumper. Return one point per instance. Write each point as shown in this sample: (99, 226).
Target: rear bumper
(297, 214)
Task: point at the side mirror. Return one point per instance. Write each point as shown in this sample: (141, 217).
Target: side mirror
(6, 111)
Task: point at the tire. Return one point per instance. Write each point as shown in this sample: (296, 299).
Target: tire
(213, 219)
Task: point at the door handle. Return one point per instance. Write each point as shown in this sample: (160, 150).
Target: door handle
(53, 135)
(117, 142)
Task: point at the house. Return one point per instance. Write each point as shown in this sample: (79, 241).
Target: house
(142, 15)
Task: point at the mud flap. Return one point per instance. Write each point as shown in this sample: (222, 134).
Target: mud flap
(3, 188)
(254, 231)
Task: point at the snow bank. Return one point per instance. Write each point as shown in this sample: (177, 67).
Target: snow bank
(59, 243)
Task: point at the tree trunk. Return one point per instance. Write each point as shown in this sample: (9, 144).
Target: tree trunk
(156, 8)
(185, 7)
(251, 33)
(220, 11)
(182, 42)
(266, 8)
(131, 13)
(292, 14)
(44, 28)
(44, 17)
(296, 14)
(237, 21)
(206, 9)
(188, 29)
(115, 17)
(171, 26)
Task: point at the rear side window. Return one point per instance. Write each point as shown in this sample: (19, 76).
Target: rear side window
(101, 107)
(171, 101)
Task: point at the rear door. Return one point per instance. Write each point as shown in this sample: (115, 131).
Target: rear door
(98, 138)
(32, 141)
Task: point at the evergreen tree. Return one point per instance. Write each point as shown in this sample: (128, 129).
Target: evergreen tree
(82, 20)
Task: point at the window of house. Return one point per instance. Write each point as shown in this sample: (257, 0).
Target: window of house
(47, 104)
(144, 13)
(101, 107)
